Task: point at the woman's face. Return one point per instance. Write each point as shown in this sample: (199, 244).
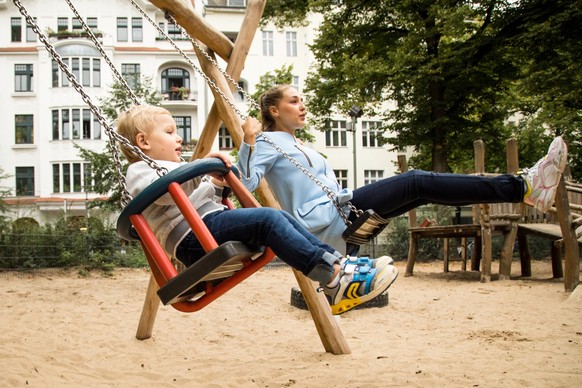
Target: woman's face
(289, 113)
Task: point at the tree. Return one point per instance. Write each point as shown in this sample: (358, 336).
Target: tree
(448, 67)
(105, 172)
(4, 192)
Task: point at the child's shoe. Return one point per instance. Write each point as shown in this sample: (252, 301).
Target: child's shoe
(543, 178)
(361, 280)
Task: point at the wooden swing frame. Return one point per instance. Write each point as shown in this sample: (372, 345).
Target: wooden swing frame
(235, 56)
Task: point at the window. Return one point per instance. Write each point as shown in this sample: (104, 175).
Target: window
(92, 24)
(268, 43)
(23, 129)
(337, 135)
(62, 24)
(291, 40)
(23, 78)
(370, 133)
(236, 3)
(175, 82)
(122, 30)
(184, 127)
(225, 141)
(131, 73)
(24, 181)
(136, 29)
(86, 70)
(174, 32)
(30, 35)
(73, 177)
(75, 124)
(240, 94)
(77, 26)
(295, 82)
(16, 29)
(371, 176)
(342, 177)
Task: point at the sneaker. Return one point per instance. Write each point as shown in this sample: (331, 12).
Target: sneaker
(543, 178)
(361, 280)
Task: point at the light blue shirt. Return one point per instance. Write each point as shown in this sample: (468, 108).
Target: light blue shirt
(295, 191)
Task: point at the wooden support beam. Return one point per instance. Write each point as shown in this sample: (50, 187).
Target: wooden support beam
(326, 325)
(196, 26)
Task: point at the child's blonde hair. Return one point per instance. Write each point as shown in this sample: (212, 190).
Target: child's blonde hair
(138, 119)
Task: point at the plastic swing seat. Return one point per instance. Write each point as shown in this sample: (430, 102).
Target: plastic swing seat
(364, 228)
(222, 268)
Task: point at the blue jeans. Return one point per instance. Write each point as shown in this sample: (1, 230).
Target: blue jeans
(393, 196)
(270, 227)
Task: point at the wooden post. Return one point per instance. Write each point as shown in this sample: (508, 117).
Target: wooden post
(149, 311)
(412, 222)
(484, 217)
(326, 325)
(196, 26)
(571, 248)
(510, 236)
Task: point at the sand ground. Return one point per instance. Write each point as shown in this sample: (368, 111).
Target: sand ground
(60, 329)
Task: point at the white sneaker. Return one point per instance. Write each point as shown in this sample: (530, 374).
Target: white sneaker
(543, 178)
(361, 280)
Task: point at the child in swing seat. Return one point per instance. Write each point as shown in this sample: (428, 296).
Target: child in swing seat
(346, 281)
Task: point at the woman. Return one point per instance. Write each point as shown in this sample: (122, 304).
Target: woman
(283, 112)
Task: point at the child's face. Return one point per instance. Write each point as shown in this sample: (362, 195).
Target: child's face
(162, 142)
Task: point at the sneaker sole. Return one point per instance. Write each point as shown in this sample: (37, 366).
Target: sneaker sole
(383, 282)
(544, 204)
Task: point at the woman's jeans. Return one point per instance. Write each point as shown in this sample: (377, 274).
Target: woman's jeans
(391, 197)
(265, 227)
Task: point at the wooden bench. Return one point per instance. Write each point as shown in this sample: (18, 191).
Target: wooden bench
(488, 220)
(562, 226)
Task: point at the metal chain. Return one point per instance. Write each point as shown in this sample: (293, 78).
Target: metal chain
(126, 197)
(205, 54)
(330, 193)
(209, 81)
(99, 47)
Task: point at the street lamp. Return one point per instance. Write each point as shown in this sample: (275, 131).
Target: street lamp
(354, 113)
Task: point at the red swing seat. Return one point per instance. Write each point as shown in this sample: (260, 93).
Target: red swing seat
(222, 268)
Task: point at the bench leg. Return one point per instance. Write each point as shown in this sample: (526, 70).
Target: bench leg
(557, 270)
(446, 254)
(476, 258)
(412, 251)
(507, 252)
(487, 255)
(464, 253)
(524, 255)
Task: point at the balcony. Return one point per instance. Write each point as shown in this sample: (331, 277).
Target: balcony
(179, 97)
(75, 34)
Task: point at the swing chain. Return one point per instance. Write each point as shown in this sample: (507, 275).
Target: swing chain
(99, 47)
(168, 15)
(209, 81)
(126, 197)
(329, 192)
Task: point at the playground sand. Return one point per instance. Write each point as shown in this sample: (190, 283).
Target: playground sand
(63, 330)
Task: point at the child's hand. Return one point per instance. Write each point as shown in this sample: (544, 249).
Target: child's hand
(225, 159)
(251, 128)
(218, 180)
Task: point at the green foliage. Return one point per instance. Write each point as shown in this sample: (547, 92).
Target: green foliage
(428, 249)
(4, 192)
(70, 242)
(449, 67)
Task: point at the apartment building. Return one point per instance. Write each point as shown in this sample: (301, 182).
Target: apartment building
(43, 117)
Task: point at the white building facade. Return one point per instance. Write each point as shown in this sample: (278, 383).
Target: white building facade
(43, 117)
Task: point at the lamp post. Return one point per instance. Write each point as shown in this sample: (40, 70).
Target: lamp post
(354, 113)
